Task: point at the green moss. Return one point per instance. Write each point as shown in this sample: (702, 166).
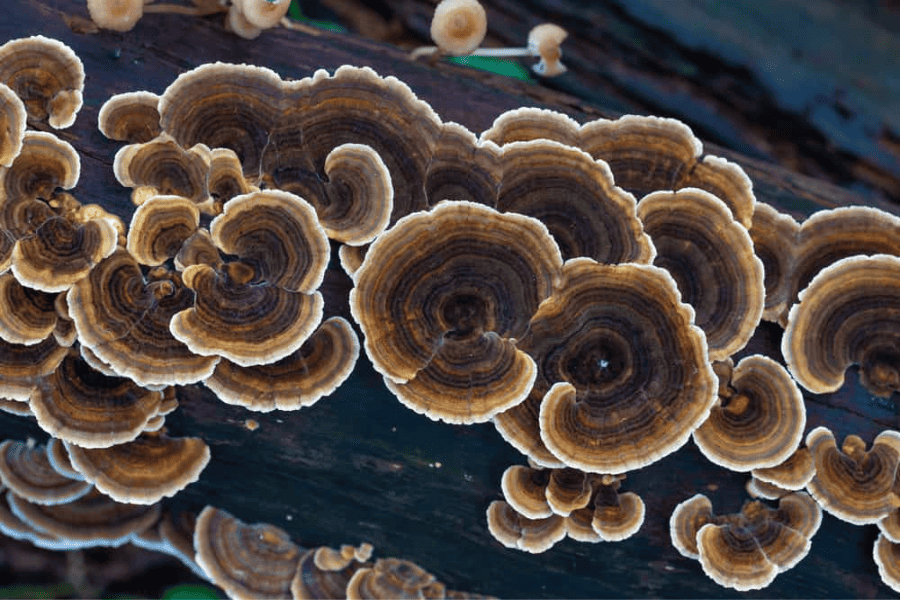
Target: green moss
(500, 66)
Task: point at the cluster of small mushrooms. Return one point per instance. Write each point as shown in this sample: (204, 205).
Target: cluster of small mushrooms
(583, 287)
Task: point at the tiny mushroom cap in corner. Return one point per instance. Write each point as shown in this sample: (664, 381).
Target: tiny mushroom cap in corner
(117, 15)
(264, 13)
(544, 41)
(458, 26)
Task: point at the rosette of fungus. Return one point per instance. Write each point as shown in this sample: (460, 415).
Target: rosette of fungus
(47, 75)
(165, 167)
(262, 307)
(610, 516)
(849, 314)
(440, 298)
(131, 117)
(159, 227)
(622, 371)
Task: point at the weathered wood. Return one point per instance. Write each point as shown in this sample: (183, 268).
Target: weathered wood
(358, 466)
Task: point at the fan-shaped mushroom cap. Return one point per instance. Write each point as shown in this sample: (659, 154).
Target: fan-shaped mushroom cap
(160, 226)
(686, 521)
(61, 253)
(247, 561)
(78, 404)
(890, 526)
(758, 488)
(44, 163)
(123, 319)
(131, 117)
(462, 168)
(117, 15)
(608, 342)
(438, 298)
(12, 122)
(532, 123)
(887, 556)
(16, 528)
(393, 578)
(568, 490)
(458, 26)
(47, 75)
(524, 488)
(849, 314)
(792, 474)
(544, 40)
(313, 582)
(316, 369)
(92, 520)
(15, 407)
(520, 427)
(27, 316)
(799, 512)
(58, 457)
(711, 258)
(142, 471)
(166, 167)
(851, 483)
(728, 182)
(264, 13)
(27, 471)
(576, 198)
(278, 235)
(330, 559)
(617, 516)
(730, 556)
(226, 179)
(518, 532)
(775, 236)
(23, 367)
(759, 423)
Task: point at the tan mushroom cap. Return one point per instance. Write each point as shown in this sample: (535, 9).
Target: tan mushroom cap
(568, 490)
(757, 488)
(775, 236)
(312, 582)
(730, 555)
(887, 556)
(23, 367)
(226, 178)
(792, 474)
(331, 559)
(458, 26)
(244, 323)
(438, 298)
(44, 163)
(145, 470)
(393, 578)
(131, 117)
(15, 407)
(518, 532)
(81, 405)
(520, 427)
(711, 258)
(607, 410)
(27, 471)
(849, 314)
(237, 23)
(166, 167)
(117, 15)
(544, 41)
(247, 561)
(728, 182)
(854, 484)
(617, 516)
(92, 520)
(264, 13)
(531, 123)
(279, 235)
(316, 369)
(890, 526)
(759, 422)
(686, 521)
(47, 75)
(160, 226)
(12, 122)
(123, 318)
(27, 316)
(524, 488)
(58, 457)
(576, 198)
(800, 512)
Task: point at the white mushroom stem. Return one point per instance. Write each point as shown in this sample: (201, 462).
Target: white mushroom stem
(492, 52)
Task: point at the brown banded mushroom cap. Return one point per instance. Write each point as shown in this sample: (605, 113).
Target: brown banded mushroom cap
(15, 407)
(91, 520)
(117, 15)
(521, 533)
(759, 423)
(520, 427)
(524, 488)
(166, 167)
(439, 297)
(247, 561)
(393, 578)
(544, 41)
(887, 556)
(131, 117)
(458, 26)
(606, 410)
(576, 198)
(730, 556)
(757, 488)
(728, 182)
(27, 471)
(58, 457)
(686, 521)
(316, 369)
(278, 234)
(16, 528)
(198, 249)
(226, 179)
(792, 474)
(12, 122)
(23, 367)
(264, 13)
(711, 258)
(462, 168)
(80, 405)
(142, 471)
(617, 516)
(568, 490)
(775, 237)
(312, 582)
(532, 123)
(47, 75)
(890, 526)
(44, 163)
(851, 483)
(800, 512)
(849, 314)
(123, 318)
(159, 227)
(27, 316)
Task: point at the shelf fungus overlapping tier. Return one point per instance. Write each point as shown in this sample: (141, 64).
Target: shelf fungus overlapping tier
(516, 531)
(393, 578)
(442, 296)
(27, 316)
(792, 474)
(318, 577)
(623, 376)
(775, 235)
(159, 227)
(27, 471)
(849, 314)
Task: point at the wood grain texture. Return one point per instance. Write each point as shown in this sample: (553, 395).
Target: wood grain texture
(357, 466)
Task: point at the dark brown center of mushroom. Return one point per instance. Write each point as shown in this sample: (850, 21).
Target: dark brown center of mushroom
(595, 364)
(239, 273)
(464, 315)
(880, 371)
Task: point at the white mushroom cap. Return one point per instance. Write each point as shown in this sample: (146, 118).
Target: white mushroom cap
(458, 26)
(118, 15)
(544, 41)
